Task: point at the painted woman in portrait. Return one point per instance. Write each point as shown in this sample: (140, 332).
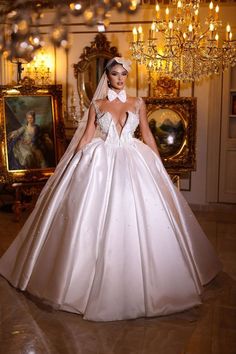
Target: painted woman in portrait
(24, 146)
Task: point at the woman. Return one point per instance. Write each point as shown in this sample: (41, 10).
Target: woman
(24, 151)
(110, 237)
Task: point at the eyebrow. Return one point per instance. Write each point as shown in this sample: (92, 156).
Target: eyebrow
(117, 72)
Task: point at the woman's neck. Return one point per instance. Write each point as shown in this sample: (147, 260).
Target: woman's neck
(116, 90)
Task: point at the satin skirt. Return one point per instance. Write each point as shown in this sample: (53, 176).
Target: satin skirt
(113, 239)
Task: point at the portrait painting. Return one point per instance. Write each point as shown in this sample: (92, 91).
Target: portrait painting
(30, 136)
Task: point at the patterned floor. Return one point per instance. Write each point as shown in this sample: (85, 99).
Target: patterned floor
(29, 328)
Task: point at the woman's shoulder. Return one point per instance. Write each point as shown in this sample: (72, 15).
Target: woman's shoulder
(135, 99)
(98, 100)
(96, 104)
(137, 103)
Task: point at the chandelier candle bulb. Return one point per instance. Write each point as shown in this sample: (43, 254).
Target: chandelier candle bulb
(135, 34)
(217, 9)
(157, 11)
(217, 39)
(228, 29)
(211, 28)
(153, 30)
(179, 7)
(170, 25)
(167, 14)
(211, 6)
(190, 29)
(140, 34)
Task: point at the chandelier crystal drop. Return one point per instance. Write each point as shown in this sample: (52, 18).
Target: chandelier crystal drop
(20, 21)
(183, 48)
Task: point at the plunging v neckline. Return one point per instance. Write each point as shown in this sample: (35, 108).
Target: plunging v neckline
(115, 124)
(122, 126)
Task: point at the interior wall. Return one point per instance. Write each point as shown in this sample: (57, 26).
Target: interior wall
(197, 194)
(120, 35)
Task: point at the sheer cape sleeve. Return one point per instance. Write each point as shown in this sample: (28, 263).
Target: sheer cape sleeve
(100, 93)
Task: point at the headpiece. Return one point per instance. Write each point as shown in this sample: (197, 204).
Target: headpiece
(120, 60)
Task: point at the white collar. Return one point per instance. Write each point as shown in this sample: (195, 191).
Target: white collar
(112, 95)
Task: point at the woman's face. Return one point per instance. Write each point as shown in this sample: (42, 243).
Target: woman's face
(117, 77)
(30, 119)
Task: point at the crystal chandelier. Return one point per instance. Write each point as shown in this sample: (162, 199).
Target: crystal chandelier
(40, 68)
(181, 47)
(20, 21)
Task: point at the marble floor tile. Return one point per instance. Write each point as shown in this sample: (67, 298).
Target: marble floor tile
(28, 327)
(226, 228)
(210, 229)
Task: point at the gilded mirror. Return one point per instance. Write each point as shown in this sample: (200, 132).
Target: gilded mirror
(173, 124)
(169, 130)
(90, 67)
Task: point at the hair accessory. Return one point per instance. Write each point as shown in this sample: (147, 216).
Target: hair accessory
(120, 60)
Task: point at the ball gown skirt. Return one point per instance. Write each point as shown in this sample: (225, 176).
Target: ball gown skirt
(112, 238)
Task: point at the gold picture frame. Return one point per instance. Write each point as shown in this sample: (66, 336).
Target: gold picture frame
(173, 124)
(32, 135)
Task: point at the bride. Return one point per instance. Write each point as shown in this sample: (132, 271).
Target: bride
(110, 237)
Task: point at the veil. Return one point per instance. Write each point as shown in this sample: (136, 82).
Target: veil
(100, 93)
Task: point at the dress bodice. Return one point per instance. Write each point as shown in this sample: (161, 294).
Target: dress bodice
(107, 126)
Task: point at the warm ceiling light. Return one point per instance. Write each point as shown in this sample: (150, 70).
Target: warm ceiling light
(191, 51)
(22, 17)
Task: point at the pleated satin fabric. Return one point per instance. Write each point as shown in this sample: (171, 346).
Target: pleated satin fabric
(113, 239)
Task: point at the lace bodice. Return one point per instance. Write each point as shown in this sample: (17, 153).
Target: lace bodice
(108, 128)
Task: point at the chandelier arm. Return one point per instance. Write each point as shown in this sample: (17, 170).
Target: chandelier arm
(203, 35)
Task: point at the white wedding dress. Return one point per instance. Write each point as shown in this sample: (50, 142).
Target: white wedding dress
(114, 239)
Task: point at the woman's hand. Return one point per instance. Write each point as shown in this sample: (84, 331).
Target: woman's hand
(11, 136)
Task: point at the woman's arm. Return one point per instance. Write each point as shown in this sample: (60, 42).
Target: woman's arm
(16, 133)
(89, 130)
(148, 138)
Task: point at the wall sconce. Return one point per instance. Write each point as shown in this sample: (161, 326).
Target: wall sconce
(40, 68)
